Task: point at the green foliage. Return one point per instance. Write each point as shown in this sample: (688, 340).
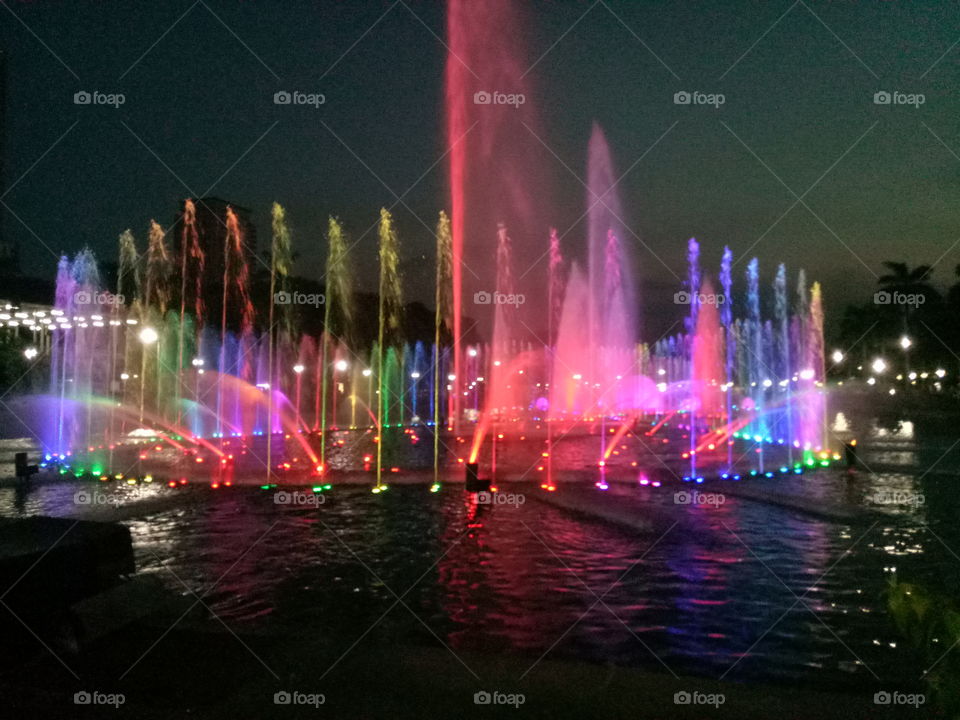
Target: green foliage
(931, 625)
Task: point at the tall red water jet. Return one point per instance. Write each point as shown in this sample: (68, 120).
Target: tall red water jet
(493, 149)
(708, 346)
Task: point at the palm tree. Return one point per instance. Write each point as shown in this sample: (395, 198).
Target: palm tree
(902, 282)
(953, 295)
(901, 278)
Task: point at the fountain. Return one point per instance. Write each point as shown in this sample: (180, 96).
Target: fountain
(200, 367)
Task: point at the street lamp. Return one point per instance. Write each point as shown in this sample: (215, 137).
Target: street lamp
(147, 336)
(837, 357)
(298, 369)
(30, 353)
(879, 365)
(906, 344)
(340, 366)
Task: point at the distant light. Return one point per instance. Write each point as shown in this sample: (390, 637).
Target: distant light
(905, 342)
(940, 372)
(341, 365)
(197, 362)
(893, 391)
(472, 352)
(124, 376)
(148, 336)
(496, 363)
(837, 357)
(806, 374)
(578, 376)
(661, 371)
(30, 353)
(451, 377)
(415, 375)
(912, 376)
(879, 365)
(367, 372)
(298, 368)
(871, 381)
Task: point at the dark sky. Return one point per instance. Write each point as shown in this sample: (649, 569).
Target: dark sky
(199, 118)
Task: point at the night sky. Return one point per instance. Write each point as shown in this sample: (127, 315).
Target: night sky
(199, 119)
